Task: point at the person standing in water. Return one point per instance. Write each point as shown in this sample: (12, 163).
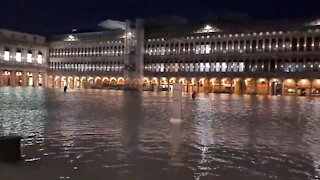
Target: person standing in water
(194, 95)
(65, 88)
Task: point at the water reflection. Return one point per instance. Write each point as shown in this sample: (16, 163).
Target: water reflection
(175, 140)
(95, 134)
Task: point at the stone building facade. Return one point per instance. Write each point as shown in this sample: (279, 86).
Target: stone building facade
(268, 59)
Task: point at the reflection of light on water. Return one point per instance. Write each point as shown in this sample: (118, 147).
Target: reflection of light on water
(204, 132)
(175, 139)
(317, 169)
(23, 112)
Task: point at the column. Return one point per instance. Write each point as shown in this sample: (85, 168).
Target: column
(1, 78)
(219, 86)
(13, 78)
(24, 78)
(35, 77)
(44, 80)
(187, 85)
(305, 44)
(243, 86)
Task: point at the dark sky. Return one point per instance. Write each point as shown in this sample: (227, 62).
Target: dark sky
(60, 16)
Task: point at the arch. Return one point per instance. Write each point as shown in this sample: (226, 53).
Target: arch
(304, 87)
(183, 81)
(316, 87)
(275, 86)
(146, 81)
(77, 82)
(113, 81)
(71, 82)
(250, 86)
(184, 84)
(105, 81)
(214, 85)
(98, 81)
(154, 81)
(226, 85)
(237, 86)
(262, 86)
(121, 81)
(57, 81)
(172, 80)
(203, 85)
(289, 87)
(63, 81)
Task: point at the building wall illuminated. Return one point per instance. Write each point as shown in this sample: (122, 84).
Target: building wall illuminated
(252, 59)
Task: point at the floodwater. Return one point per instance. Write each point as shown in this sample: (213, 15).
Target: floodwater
(105, 134)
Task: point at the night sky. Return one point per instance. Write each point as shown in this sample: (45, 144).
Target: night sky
(46, 17)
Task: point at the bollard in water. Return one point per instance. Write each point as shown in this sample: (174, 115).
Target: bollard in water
(10, 148)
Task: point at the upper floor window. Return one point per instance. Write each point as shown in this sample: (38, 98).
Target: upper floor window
(39, 59)
(18, 56)
(6, 55)
(29, 57)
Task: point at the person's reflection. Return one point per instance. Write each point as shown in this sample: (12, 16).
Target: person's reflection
(175, 139)
(132, 109)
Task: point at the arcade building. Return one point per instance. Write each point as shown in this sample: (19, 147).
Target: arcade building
(266, 58)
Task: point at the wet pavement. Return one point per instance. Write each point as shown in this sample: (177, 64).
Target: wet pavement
(106, 134)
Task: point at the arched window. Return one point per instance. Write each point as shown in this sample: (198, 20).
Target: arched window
(6, 55)
(40, 58)
(29, 57)
(18, 55)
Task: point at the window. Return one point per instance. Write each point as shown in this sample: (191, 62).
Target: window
(18, 56)
(207, 67)
(198, 49)
(39, 59)
(217, 67)
(162, 50)
(29, 57)
(6, 56)
(241, 67)
(161, 67)
(223, 67)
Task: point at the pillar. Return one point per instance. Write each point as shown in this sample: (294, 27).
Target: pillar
(1, 78)
(24, 78)
(13, 78)
(219, 86)
(35, 77)
(188, 85)
(243, 86)
(44, 80)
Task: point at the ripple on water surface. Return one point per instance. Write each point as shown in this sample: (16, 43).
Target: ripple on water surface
(97, 134)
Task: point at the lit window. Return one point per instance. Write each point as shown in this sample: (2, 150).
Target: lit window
(208, 49)
(29, 57)
(18, 56)
(224, 67)
(39, 59)
(6, 56)
(241, 67)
